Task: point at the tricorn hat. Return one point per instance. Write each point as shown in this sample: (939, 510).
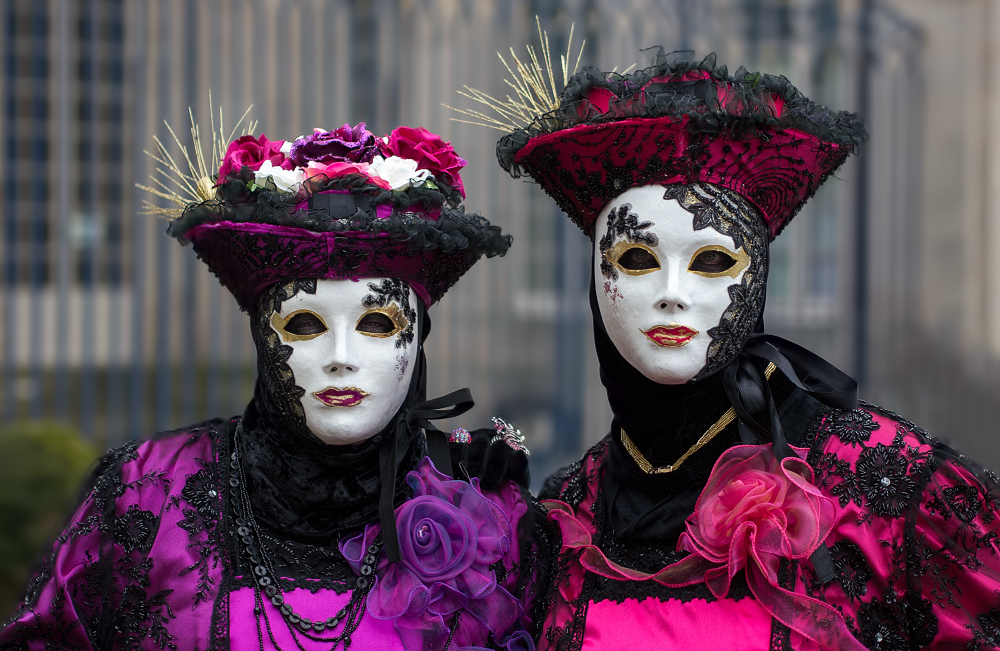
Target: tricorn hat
(677, 121)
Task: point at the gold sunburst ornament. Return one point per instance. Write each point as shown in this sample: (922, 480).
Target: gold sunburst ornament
(534, 85)
(191, 180)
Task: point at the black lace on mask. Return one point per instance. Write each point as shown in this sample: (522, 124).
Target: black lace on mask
(730, 214)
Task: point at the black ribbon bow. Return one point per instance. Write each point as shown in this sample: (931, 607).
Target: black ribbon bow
(751, 398)
(410, 418)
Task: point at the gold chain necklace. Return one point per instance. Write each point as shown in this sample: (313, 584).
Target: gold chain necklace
(710, 433)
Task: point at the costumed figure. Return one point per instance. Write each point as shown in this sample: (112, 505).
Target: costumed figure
(331, 513)
(744, 498)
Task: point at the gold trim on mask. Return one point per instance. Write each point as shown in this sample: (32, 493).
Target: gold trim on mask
(395, 315)
(741, 257)
(619, 249)
(278, 323)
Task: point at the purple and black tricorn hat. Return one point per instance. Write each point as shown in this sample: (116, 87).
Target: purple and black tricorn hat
(336, 205)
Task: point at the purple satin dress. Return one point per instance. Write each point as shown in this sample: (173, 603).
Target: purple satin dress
(147, 562)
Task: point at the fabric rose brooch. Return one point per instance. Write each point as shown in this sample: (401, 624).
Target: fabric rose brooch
(449, 536)
(405, 159)
(754, 512)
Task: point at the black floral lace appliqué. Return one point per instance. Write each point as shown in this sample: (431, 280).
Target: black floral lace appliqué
(987, 633)
(200, 497)
(730, 214)
(881, 474)
(393, 290)
(622, 223)
(136, 529)
(853, 426)
(853, 572)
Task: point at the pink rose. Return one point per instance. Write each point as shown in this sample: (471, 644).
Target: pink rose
(251, 152)
(755, 511)
(334, 170)
(430, 151)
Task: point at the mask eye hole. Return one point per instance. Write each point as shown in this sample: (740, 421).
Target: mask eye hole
(638, 259)
(375, 323)
(300, 325)
(633, 259)
(715, 261)
(381, 322)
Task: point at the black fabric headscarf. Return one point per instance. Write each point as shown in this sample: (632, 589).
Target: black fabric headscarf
(311, 491)
(664, 421)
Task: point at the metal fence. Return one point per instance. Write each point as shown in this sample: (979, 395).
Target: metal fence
(108, 324)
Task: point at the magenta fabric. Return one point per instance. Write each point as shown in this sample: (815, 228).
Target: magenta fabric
(371, 635)
(953, 602)
(144, 564)
(249, 257)
(647, 625)
(776, 175)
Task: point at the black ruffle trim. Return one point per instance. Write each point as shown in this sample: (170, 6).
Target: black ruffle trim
(748, 111)
(453, 230)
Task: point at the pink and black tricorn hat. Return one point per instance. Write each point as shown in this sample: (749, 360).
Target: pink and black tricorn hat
(333, 205)
(680, 122)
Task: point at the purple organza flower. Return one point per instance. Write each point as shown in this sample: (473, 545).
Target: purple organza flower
(449, 535)
(343, 145)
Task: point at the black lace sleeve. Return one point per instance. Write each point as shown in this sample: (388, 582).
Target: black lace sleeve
(917, 551)
(56, 609)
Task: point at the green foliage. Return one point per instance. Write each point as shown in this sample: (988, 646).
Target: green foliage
(41, 466)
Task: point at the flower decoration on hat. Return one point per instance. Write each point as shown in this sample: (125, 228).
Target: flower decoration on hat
(342, 203)
(677, 121)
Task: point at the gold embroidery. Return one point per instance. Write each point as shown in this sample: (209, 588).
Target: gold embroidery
(647, 467)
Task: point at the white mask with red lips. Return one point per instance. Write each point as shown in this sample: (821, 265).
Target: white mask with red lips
(353, 348)
(662, 284)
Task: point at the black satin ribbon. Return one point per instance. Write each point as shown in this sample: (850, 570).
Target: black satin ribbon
(750, 395)
(408, 419)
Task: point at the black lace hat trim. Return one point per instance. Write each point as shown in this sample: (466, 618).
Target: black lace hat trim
(749, 110)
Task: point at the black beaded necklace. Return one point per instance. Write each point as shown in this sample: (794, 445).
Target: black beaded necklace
(265, 578)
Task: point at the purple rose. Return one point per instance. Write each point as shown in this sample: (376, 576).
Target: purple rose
(449, 535)
(437, 541)
(343, 145)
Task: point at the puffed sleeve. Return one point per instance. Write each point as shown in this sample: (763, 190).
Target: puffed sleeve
(953, 554)
(62, 603)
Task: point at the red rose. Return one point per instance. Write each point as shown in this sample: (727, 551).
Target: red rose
(251, 152)
(429, 150)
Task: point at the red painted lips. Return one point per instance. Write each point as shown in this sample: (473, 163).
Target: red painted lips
(670, 336)
(346, 397)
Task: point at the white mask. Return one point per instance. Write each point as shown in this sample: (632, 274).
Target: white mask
(353, 349)
(663, 285)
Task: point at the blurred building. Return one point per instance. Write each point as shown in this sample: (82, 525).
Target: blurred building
(889, 272)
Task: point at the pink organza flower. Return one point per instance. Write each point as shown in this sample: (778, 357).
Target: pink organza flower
(429, 150)
(333, 170)
(755, 511)
(250, 152)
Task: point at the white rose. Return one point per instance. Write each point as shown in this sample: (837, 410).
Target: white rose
(399, 173)
(283, 180)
